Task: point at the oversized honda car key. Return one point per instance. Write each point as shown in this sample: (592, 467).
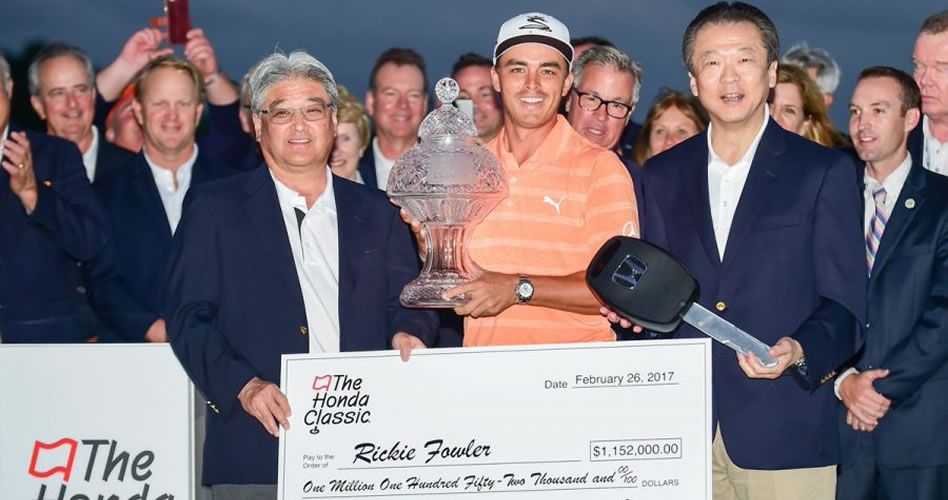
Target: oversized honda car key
(652, 289)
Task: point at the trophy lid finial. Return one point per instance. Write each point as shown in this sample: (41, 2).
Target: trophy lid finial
(447, 90)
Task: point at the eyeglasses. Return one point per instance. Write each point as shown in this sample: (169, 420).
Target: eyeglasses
(592, 103)
(311, 113)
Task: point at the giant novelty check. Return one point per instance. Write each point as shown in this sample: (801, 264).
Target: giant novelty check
(618, 421)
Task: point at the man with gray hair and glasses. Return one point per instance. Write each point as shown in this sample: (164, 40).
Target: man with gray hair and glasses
(49, 219)
(605, 90)
(63, 93)
(279, 260)
(819, 64)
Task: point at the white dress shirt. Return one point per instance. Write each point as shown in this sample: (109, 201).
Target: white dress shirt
(726, 183)
(935, 152)
(893, 188)
(89, 157)
(383, 166)
(3, 139)
(172, 186)
(315, 245)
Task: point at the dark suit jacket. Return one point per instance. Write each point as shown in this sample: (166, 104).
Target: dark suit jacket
(916, 143)
(367, 167)
(38, 251)
(629, 135)
(794, 266)
(109, 158)
(125, 281)
(234, 304)
(908, 329)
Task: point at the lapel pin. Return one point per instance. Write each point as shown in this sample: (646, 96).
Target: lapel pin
(910, 203)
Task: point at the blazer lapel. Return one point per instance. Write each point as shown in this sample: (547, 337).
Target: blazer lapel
(696, 188)
(353, 218)
(764, 170)
(901, 216)
(263, 212)
(146, 193)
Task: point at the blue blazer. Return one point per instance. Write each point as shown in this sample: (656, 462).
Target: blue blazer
(234, 304)
(110, 158)
(367, 167)
(125, 281)
(916, 143)
(794, 266)
(908, 329)
(38, 252)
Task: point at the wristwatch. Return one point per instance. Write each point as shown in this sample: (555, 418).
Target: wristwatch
(524, 290)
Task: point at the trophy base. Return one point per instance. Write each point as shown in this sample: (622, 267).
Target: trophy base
(426, 291)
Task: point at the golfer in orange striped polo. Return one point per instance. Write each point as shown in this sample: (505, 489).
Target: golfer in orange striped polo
(567, 196)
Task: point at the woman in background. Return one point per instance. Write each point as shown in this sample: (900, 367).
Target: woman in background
(352, 137)
(673, 118)
(797, 105)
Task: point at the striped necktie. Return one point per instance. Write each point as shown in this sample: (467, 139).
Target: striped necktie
(876, 226)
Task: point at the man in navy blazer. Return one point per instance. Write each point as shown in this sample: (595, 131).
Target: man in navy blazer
(927, 141)
(143, 199)
(283, 259)
(397, 100)
(62, 92)
(49, 219)
(768, 223)
(895, 397)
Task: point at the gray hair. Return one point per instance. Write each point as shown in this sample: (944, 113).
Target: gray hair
(278, 67)
(730, 13)
(827, 71)
(53, 51)
(4, 70)
(609, 57)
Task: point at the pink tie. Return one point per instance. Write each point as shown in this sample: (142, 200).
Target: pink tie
(876, 226)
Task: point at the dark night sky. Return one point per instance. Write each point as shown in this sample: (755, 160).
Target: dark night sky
(348, 36)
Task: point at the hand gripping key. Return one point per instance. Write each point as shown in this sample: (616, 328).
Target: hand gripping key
(651, 288)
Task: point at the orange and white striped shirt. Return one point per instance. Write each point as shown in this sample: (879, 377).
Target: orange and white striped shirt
(564, 202)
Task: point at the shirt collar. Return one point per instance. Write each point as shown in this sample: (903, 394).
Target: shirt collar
(288, 198)
(3, 138)
(92, 154)
(927, 133)
(183, 173)
(749, 154)
(549, 151)
(894, 182)
(379, 157)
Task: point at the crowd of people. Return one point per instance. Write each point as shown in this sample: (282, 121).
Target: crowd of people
(271, 233)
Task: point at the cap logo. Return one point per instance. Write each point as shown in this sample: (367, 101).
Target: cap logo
(536, 23)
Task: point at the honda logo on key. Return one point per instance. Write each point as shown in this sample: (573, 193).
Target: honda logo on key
(629, 272)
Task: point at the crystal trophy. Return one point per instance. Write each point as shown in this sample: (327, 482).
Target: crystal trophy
(449, 183)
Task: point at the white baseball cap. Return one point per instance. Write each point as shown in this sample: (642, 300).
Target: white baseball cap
(534, 27)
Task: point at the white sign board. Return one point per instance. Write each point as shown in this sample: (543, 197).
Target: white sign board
(613, 421)
(91, 421)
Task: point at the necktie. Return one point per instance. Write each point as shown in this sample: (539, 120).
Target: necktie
(876, 226)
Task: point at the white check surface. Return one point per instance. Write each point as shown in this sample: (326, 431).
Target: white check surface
(619, 421)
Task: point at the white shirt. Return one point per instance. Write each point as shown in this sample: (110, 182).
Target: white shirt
(3, 139)
(383, 166)
(935, 152)
(893, 187)
(172, 193)
(315, 247)
(89, 157)
(726, 183)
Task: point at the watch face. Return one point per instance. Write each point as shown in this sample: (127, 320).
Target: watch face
(525, 290)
